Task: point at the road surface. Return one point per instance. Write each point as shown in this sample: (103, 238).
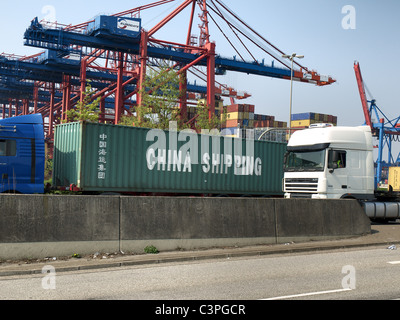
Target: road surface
(371, 273)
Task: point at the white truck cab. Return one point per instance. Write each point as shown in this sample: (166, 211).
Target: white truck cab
(328, 162)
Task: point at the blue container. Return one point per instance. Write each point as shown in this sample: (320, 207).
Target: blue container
(311, 116)
(115, 27)
(303, 116)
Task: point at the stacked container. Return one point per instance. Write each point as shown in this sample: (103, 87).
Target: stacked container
(243, 115)
(219, 107)
(304, 120)
(239, 115)
(263, 121)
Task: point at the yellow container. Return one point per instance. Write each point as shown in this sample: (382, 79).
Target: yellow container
(302, 123)
(394, 178)
(234, 116)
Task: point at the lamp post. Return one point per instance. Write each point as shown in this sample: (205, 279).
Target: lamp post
(291, 58)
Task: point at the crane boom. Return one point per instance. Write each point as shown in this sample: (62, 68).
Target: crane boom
(361, 89)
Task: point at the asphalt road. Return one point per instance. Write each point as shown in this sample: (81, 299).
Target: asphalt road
(370, 273)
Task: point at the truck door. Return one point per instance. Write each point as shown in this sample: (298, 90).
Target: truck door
(7, 176)
(338, 169)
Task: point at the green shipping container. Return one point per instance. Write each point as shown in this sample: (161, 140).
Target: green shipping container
(100, 157)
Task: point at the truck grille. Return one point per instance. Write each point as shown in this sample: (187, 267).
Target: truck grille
(303, 185)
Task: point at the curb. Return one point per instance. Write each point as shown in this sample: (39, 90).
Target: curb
(192, 257)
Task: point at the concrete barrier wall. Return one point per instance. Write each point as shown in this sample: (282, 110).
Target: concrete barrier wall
(35, 226)
(41, 226)
(319, 219)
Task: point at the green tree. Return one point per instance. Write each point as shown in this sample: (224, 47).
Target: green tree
(159, 106)
(160, 93)
(204, 121)
(86, 110)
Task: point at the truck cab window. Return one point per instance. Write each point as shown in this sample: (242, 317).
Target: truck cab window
(8, 148)
(336, 159)
(305, 161)
(2, 148)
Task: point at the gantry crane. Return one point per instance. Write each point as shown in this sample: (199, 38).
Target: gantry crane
(384, 129)
(115, 51)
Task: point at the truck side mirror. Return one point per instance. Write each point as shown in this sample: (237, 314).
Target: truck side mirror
(332, 166)
(332, 160)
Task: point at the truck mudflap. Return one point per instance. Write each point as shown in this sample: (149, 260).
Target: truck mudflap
(385, 211)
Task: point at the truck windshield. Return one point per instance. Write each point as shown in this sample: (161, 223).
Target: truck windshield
(305, 161)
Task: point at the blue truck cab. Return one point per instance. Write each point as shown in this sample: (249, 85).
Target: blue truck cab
(22, 155)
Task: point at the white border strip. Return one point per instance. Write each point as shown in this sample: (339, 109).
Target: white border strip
(308, 294)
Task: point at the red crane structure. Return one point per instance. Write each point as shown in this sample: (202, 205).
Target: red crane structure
(386, 130)
(114, 55)
(363, 96)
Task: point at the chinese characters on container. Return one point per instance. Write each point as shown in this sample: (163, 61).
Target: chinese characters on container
(101, 162)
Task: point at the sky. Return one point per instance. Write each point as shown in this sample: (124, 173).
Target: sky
(329, 36)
